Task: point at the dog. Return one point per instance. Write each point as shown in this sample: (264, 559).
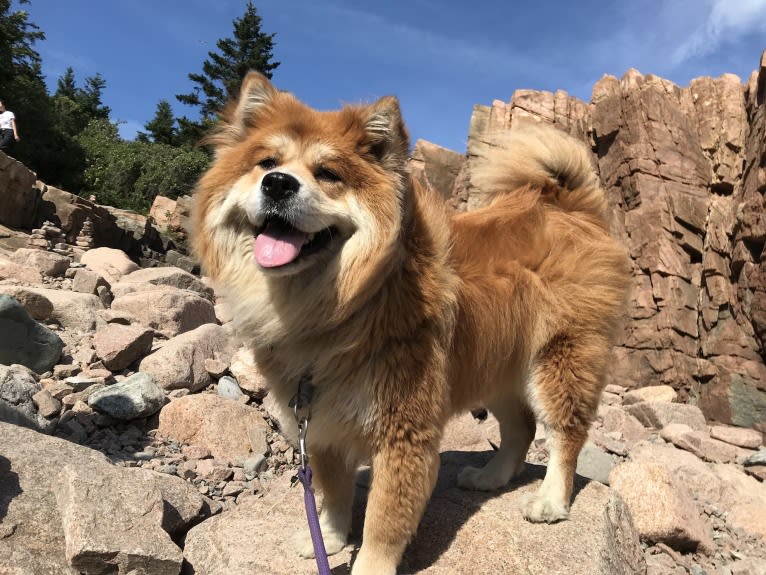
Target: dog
(337, 263)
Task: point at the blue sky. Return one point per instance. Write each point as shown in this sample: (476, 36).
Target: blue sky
(440, 57)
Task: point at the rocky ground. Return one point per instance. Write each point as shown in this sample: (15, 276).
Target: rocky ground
(138, 365)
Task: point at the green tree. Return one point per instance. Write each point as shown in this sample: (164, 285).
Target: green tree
(223, 71)
(131, 174)
(66, 85)
(22, 88)
(162, 128)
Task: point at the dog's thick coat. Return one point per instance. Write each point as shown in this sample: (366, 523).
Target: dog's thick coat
(339, 264)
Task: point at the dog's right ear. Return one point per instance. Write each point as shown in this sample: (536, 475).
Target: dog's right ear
(255, 94)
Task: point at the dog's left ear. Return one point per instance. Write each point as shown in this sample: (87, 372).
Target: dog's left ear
(386, 132)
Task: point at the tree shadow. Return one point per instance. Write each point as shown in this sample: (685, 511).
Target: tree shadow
(443, 517)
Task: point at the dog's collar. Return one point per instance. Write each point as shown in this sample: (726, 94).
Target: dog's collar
(301, 401)
(301, 405)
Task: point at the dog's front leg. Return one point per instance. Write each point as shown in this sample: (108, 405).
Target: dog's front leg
(403, 477)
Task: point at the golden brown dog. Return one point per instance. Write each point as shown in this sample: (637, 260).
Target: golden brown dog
(337, 263)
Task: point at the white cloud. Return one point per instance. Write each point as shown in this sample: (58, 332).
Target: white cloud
(727, 21)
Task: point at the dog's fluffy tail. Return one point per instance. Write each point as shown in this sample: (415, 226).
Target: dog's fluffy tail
(543, 157)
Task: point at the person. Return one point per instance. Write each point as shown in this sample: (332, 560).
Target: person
(8, 132)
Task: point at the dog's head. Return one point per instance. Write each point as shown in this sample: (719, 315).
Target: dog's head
(295, 194)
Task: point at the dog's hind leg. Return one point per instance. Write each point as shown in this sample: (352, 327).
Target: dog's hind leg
(517, 429)
(565, 388)
(335, 477)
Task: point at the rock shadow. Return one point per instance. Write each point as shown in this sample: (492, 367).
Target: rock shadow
(9, 486)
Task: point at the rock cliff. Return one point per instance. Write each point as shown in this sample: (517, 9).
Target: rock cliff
(684, 169)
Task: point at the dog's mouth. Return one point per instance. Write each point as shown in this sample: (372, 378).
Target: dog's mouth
(278, 243)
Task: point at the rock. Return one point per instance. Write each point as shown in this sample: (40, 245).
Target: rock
(749, 566)
(47, 263)
(173, 310)
(11, 271)
(19, 198)
(436, 167)
(146, 279)
(247, 374)
(162, 212)
(223, 312)
(17, 390)
(118, 346)
(47, 405)
(748, 438)
(110, 263)
(109, 521)
(180, 363)
(36, 305)
(616, 420)
(682, 172)
(88, 281)
(595, 464)
(658, 414)
(744, 499)
(757, 458)
(700, 443)
(663, 393)
(228, 388)
(230, 430)
(76, 311)
(461, 532)
(662, 509)
(24, 341)
(215, 367)
(134, 397)
(91, 513)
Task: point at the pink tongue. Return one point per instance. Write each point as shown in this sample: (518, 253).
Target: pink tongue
(277, 245)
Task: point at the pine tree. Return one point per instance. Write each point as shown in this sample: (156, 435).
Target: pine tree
(222, 72)
(66, 85)
(162, 128)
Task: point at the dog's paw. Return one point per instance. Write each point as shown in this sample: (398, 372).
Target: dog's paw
(334, 542)
(541, 509)
(369, 564)
(479, 479)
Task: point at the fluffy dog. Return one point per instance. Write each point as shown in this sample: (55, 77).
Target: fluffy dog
(337, 263)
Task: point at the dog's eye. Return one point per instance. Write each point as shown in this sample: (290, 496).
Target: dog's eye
(326, 174)
(268, 163)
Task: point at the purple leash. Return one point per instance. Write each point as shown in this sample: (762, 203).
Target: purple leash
(304, 476)
(301, 405)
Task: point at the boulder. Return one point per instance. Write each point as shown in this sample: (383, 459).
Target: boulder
(18, 388)
(24, 341)
(230, 430)
(19, 198)
(662, 508)
(180, 362)
(90, 516)
(149, 278)
(118, 346)
(461, 532)
(36, 305)
(173, 310)
(47, 263)
(134, 397)
(110, 263)
(76, 311)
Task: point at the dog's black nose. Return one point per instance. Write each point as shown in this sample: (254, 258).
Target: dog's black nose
(279, 186)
